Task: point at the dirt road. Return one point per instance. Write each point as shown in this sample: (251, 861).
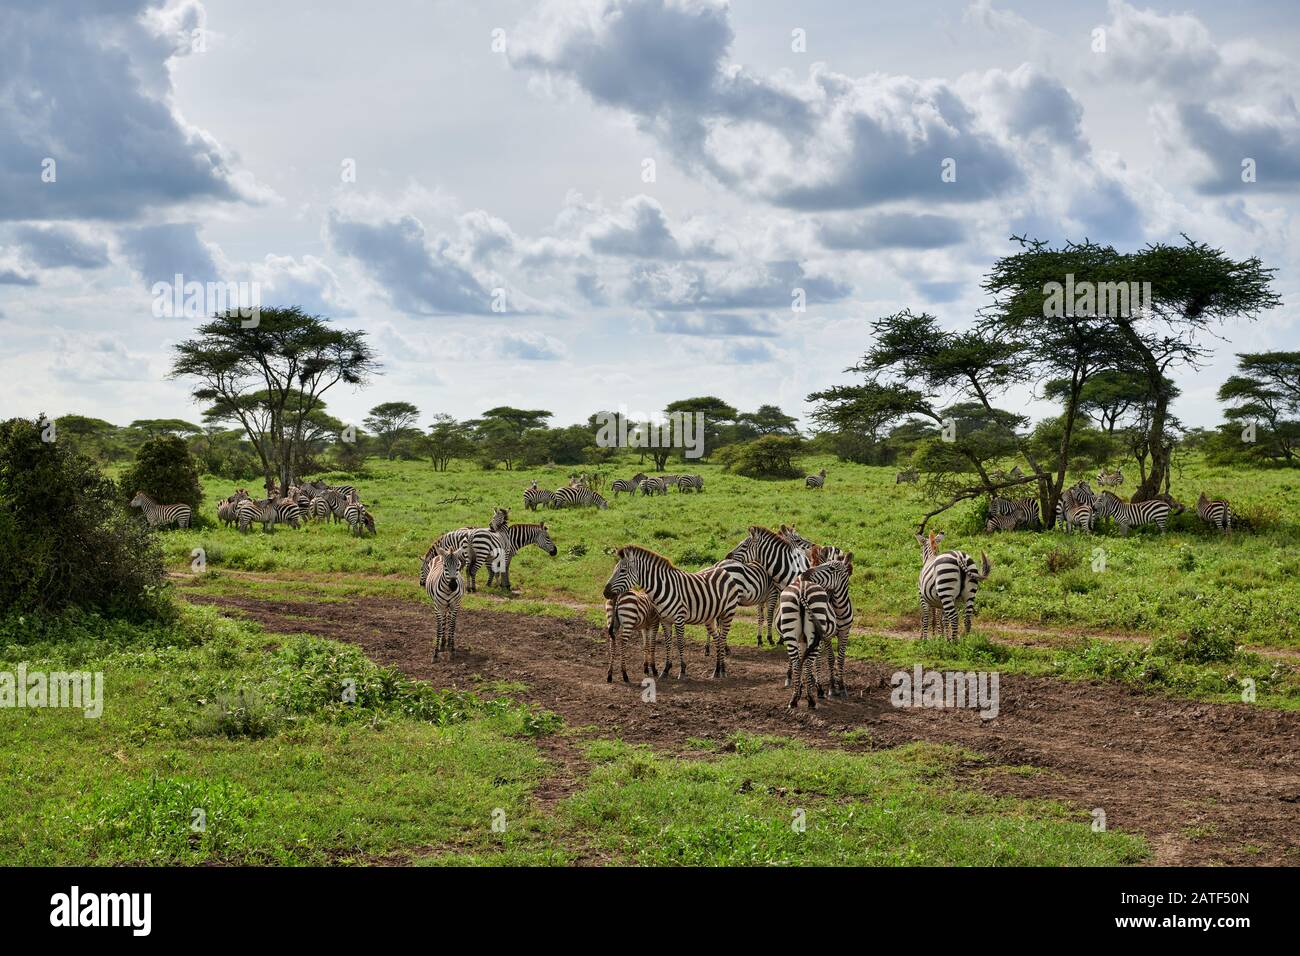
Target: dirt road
(1206, 783)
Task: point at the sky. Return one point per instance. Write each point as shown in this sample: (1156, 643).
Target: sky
(617, 203)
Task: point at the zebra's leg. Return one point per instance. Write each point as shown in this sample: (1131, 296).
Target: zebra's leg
(950, 621)
(681, 649)
(612, 635)
(810, 673)
(452, 613)
(668, 649)
(925, 618)
(720, 658)
(795, 672)
(623, 634)
(437, 632)
(708, 641)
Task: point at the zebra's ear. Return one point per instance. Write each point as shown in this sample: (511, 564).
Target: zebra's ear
(920, 538)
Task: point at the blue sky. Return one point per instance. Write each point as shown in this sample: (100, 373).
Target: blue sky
(501, 154)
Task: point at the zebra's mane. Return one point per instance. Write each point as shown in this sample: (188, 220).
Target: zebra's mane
(654, 557)
(758, 531)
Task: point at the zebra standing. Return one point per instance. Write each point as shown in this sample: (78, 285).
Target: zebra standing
(266, 512)
(632, 611)
(1024, 510)
(832, 570)
(680, 597)
(1001, 523)
(320, 508)
(909, 477)
(359, 519)
(1110, 479)
(654, 486)
(941, 585)
(536, 497)
(1074, 515)
(816, 481)
(495, 550)
(629, 485)
(754, 588)
(776, 555)
(580, 497)
(806, 620)
(690, 483)
(159, 516)
(226, 507)
(1126, 515)
(1217, 513)
(441, 581)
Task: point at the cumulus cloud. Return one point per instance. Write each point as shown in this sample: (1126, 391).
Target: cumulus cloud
(748, 285)
(158, 253)
(714, 324)
(833, 142)
(85, 84)
(891, 231)
(97, 358)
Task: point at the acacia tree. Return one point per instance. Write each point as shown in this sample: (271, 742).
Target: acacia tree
(1266, 391)
(272, 376)
(390, 421)
(1193, 288)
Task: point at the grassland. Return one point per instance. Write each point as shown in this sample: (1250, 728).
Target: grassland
(252, 728)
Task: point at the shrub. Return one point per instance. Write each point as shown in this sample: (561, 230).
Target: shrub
(772, 456)
(65, 541)
(164, 470)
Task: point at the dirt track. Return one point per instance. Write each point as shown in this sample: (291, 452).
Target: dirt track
(1206, 783)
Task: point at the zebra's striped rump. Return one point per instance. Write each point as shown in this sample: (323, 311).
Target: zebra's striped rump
(159, 516)
(1133, 515)
(805, 620)
(690, 483)
(1217, 513)
(632, 611)
(579, 497)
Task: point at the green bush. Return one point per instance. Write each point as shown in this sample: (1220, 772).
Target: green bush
(65, 541)
(772, 457)
(164, 470)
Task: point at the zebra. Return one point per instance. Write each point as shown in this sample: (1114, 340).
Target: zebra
(690, 483)
(159, 516)
(266, 512)
(775, 554)
(628, 485)
(535, 497)
(806, 619)
(441, 581)
(347, 491)
(941, 585)
(754, 588)
(337, 503)
(320, 508)
(359, 519)
(816, 481)
(461, 536)
(654, 486)
(1001, 523)
(909, 477)
(1024, 510)
(1110, 480)
(1074, 514)
(632, 611)
(497, 553)
(226, 507)
(832, 570)
(578, 498)
(680, 597)
(1217, 513)
(1126, 515)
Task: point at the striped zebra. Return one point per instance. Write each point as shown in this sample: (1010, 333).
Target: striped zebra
(535, 497)
(1001, 523)
(159, 516)
(1024, 510)
(578, 498)
(1217, 513)
(909, 477)
(680, 597)
(320, 508)
(776, 555)
(941, 585)
(816, 481)
(628, 485)
(441, 581)
(754, 588)
(1074, 515)
(670, 480)
(496, 555)
(632, 611)
(654, 486)
(832, 570)
(266, 512)
(1126, 515)
(1110, 479)
(226, 507)
(347, 491)
(805, 620)
(337, 504)
(690, 483)
(359, 519)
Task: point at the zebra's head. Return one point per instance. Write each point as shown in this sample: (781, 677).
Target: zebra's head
(451, 563)
(368, 520)
(794, 537)
(930, 543)
(500, 519)
(601, 503)
(1107, 504)
(140, 500)
(544, 541)
(626, 574)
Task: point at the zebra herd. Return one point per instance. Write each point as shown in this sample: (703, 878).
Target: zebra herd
(1080, 508)
(800, 587)
(579, 494)
(309, 500)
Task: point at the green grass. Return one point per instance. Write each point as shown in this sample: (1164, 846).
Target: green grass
(778, 803)
(1190, 580)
